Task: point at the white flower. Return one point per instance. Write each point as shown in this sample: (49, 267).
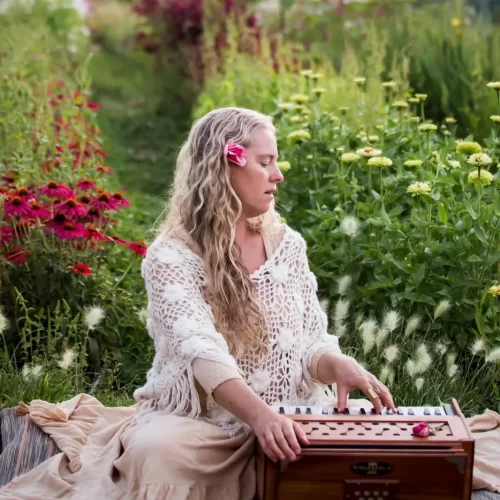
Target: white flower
(26, 371)
(67, 359)
(93, 316)
(493, 356)
(324, 305)
(454, 163)
(423, 360)
(368, 329)
(478, 346)
(4, 323)
(167, 255)
(419, 383)
(174, 293)
(412, 324)
(260, 381)
(36, 370)
(381, 336)
(350, 226)
(450, 359)
(441, 308)
(391, 353)
(285, 339)
(479, 160)
(385, 374)
(441, 348)
(340, 329)
(452, 370)
(341, 310)
(391, 320)
(344, 284)
(279, 273)
(410, 367)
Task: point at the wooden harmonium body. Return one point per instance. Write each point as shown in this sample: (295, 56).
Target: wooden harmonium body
(362, 455)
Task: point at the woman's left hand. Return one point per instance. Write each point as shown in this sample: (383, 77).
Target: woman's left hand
(350, 375)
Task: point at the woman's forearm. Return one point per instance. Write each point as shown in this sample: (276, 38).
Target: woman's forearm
(236, 397)
(326, 367)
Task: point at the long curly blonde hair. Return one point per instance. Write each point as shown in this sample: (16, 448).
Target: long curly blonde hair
(203, 210)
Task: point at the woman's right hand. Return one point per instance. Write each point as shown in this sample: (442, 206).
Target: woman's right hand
(279, 436)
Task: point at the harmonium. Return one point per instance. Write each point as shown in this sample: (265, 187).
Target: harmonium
(363, 455)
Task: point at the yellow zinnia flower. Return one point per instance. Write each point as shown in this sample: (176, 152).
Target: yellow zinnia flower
(494, 85)
(468, 148)
(427, 127)
(422, 97)
(350, 157)
(495, 118)
(369, 152)
(389, 85)
(483, 178)
(298, 136)
(450, 120)
(414, 100)
(418, 188)
(287, 106)
(495, 290)
(360, 81)
(400, 104)
(413, 163)
(306, 72)
(380, 161)
(284, 166)
(479, 160)
(300, 98)
(318, 90)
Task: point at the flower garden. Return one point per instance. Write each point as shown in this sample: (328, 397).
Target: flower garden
(388, 122)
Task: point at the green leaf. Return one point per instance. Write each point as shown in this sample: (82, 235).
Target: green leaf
(376, 195)
(385, 216)
(419, 275)
(471, 212)
(442, 214)
(481, 235)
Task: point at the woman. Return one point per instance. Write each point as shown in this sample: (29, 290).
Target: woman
(237, 327)
(235, 319)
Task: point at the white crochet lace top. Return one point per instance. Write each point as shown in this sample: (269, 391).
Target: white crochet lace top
(181, 324)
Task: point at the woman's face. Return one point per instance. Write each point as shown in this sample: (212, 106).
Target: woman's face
(256, 183)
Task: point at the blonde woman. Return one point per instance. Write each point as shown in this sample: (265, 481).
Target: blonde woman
(235, 320)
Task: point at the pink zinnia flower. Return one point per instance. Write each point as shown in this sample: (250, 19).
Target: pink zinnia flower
(104, 202)
(55, 190)
(86, 185)
(120, 200)
(6, 234)
(71, 208)
(93, 105)
(104, 169)
(421, 429)
(17, 255)
(17, 207)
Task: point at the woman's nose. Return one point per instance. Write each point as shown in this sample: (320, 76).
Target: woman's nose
(277, 176)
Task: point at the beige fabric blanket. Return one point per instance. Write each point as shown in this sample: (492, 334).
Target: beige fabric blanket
(88, 434)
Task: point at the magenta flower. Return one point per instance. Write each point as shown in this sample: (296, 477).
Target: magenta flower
(55, 190)
(235, 154)
(17, 207)
(71, 208)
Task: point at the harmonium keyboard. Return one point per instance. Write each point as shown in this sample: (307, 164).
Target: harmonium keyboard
(362, 455)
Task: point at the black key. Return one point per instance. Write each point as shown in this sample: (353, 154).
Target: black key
(427, 411)
(297, 410)
(410, 411)
(282, 410)
(362, 411)
(373, 411)
(400, 411)
(335, 410)
(389, 412)
(437, 411)
(346, 411)
(324, 411)
(308, 411)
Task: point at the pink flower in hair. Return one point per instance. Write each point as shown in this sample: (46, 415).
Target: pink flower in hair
(235, 154)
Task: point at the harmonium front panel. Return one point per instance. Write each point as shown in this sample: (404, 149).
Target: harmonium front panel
(360, 455)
